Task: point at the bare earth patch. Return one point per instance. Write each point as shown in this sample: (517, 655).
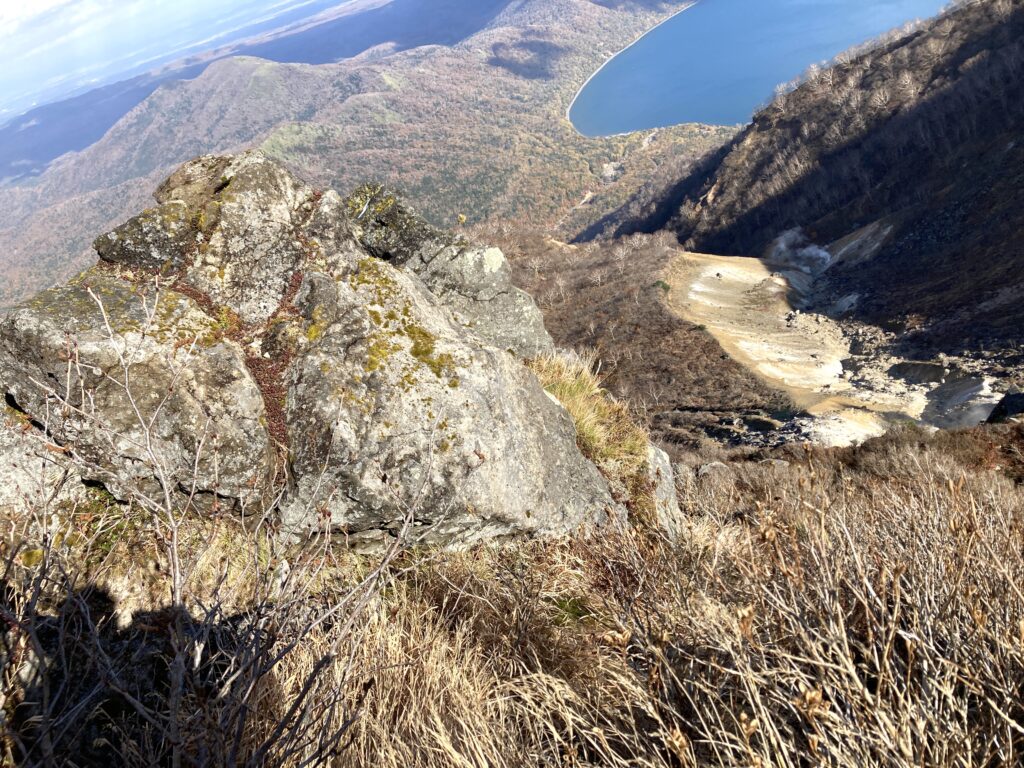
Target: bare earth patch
(748, 306)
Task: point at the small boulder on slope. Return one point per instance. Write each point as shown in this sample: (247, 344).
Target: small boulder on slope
(666, 501)
(1009, 410)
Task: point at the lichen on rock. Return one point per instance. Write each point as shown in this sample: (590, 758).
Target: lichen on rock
(253, 339)
(474, 283)
(118, 378)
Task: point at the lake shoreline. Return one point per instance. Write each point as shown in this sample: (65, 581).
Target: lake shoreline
(608, 61)
(681, 72)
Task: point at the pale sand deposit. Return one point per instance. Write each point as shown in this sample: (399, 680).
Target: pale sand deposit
(746, 307)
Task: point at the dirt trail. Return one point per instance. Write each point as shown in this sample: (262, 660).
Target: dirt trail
(745, 305)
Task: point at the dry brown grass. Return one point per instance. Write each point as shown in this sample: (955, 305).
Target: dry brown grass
(873, 615)
(852, 608)
(494, 658)
(606, 431)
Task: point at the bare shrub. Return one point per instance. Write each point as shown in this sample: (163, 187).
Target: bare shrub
(236, 657)
(862, 620)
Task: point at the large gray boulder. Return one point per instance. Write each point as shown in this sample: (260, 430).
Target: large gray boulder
(363, 373)
(400, 416)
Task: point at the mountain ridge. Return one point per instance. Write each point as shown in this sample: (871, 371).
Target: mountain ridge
(529, 164)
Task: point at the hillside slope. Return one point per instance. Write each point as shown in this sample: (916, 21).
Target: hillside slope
(915, 142)
(30, 142)
(476, 128)
(614, 300)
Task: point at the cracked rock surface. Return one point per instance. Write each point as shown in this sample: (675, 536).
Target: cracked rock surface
(474, 283)
(257, 343)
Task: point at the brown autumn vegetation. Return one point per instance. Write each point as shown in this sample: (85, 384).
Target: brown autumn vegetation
(853, 607)
(921, 131)
(843, 607)
(608, 299)
(849, 607)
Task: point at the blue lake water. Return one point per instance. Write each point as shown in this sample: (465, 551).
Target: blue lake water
(718, 61)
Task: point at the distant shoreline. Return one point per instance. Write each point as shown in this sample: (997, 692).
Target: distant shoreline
(191, 54)
(612, 58)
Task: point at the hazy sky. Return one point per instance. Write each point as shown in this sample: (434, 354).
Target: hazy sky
(49, 48)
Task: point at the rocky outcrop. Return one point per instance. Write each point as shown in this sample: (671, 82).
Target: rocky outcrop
(232, 229)
(256, 342)
(475, 283)
(145, 388)
(398, 413)
(663, 483)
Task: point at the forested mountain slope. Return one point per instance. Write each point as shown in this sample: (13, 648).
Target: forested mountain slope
(919, 136)
(475, 128)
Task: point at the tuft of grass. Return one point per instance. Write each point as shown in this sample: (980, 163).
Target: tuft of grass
(606, 431)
